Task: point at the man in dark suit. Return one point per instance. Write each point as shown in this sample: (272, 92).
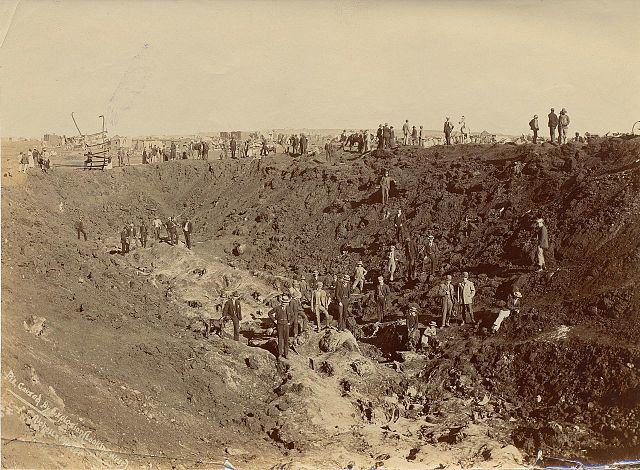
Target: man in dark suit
(446, 292)
(553, 124)
(386, 135)
(233, 311)
(234, 147)
(281, 316)
(343, 296)
(380, 136)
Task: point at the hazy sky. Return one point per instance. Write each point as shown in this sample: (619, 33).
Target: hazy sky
(189, 66)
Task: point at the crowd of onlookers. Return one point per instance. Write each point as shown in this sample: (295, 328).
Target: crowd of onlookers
(33, 158)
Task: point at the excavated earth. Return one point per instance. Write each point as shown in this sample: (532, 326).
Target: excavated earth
(106, 352)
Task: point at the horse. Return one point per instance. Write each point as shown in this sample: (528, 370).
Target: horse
(354, 139)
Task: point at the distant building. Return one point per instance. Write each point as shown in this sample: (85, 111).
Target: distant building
(120, 142)
(53, 140)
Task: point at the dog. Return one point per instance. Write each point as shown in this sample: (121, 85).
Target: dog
(214, 325)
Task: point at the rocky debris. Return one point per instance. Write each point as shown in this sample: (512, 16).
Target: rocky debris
(333, 340)
(35, 325)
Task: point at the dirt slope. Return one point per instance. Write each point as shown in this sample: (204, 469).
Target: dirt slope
(122, 353)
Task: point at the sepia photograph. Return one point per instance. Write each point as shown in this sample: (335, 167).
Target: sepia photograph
(320, 235)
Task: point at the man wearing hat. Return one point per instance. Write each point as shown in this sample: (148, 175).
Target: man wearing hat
(385, 186)
(542, 243)
(297, 322)
(563, 125)
(343, 294)
(513, 306)
(386, 135)
(413, 332)
(411, 252)
(430, 260)
(233, 311)
(320, 303)
(315, 279)
(281, 316)
(466, 293)
(430, 332)
(446, 292)
(448, 129)
(124, 239)
(359, 277)
(553, 124)
(533, 125)
(382, 297)
(380, 136)
(400, 222)
(304, 288)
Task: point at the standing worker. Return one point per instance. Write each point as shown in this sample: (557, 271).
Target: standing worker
(234, 147)
(382, 297)
(359, 277)
(392, 263)
(187, 228)
(385, 186)
(466, 293)
(386, 135)
(233, 311)
(343, 297)
(320, 303)
(563, 125)
(542, 243)
(281, 316)
(430, 257)
(144, 233)
(400, 222)
(448, 129)
(411, 252)
(80, 229)
(414, 136)
(297, 322)
(533, 125)
(413, 332)
(405, 132)
(553, 123)
(124, 240)
(446, 292)
(157, 225)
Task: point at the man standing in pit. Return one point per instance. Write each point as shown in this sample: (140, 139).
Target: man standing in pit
(359, 277)
(343, 297)
(411, 252)
(133, 234)
(144, 233)
(187, 228)
(281, 316)
(157, 225)
(430, 260)
(405, 132)
(297, 321)
(400, 223)
(542, 244)
(446, 292)
(413, 332)
(382, 297)
(320, 303)
(233, 311)
(80, 229)
(392, 262)
(466, 293)
(553, 123)
(533, 125)
(124, 240)
(385, 186)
